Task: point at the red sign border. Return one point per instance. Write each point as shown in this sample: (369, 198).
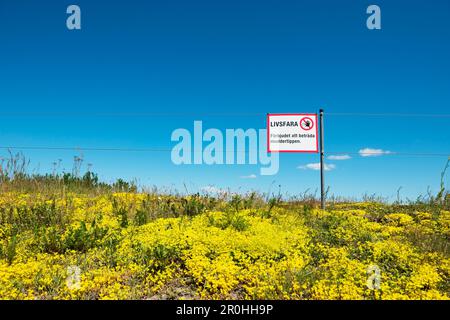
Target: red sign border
(292, 114)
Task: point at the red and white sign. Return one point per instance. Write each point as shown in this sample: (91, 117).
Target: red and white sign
(292, 132)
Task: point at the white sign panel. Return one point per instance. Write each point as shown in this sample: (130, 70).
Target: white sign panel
(292, 132)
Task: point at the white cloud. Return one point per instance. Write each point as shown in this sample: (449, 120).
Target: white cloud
(212, 189)
(252, 176)
(369, 152)
(339, 157)
(316, 166)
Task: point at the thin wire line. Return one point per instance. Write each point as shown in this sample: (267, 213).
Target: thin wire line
(133, 114)
(108, 149)
(207, 114)
(418, 154)
(392, 153)
(86, 149)
(347, 114)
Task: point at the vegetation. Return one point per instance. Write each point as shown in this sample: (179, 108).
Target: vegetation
(128, 244)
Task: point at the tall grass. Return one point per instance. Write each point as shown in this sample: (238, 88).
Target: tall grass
(15, 176)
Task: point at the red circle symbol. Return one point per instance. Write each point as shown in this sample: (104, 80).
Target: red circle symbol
(306, 123)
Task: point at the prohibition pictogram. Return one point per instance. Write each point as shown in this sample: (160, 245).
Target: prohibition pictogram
(306, 123)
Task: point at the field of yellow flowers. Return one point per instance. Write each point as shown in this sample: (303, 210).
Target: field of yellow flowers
(129, 245)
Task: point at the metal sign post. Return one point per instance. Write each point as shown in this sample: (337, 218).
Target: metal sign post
(322, 164)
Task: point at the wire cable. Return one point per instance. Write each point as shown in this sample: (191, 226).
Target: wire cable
(207, 114)
(164, 149)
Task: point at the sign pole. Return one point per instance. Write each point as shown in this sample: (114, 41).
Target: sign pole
(322, 164)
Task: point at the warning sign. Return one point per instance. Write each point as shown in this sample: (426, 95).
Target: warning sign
(292, 132)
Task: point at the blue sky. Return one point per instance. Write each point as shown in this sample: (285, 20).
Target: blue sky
(231, 56)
